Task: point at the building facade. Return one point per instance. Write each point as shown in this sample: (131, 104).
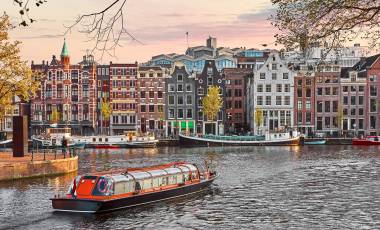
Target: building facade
(103, 96)
(327, 100)
(151, 98)
(235, 99)
(123, 97)
(68, 89)
(210, 76)
(180, 102)
(304, 100)
(271, 90)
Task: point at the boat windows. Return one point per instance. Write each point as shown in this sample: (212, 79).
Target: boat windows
(156, 182)
(93, 139)
(106, 139)
(124, 187)
(186, 177)
(172, 179)
(147, 184)
(180, 178)
(164, 181)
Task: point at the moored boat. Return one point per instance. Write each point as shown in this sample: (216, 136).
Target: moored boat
(315, 142)
(108, 191)
(53, 138)
(213, 140)
(370, 140)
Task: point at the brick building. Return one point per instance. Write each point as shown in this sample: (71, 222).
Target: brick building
(123, 97)
(235, 99)
(151, 98)
(304, 100)
(103, 95)
(69, 89)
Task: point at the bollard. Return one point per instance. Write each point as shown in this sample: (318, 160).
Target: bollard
(44, 155)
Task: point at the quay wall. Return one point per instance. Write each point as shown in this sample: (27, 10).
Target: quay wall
(333, 141)
(168, 142)
(18, 170)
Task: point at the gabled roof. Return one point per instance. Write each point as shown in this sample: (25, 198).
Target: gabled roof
(366, 63)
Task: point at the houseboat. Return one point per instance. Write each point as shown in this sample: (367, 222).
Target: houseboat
(261, 140)
(53, 138)
(108, 191)
(370, 140)
(128, 140)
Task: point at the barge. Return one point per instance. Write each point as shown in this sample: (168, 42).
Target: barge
(109, 191)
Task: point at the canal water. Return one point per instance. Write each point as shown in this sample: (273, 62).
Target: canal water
(311, 187)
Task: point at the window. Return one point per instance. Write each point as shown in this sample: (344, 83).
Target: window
(268, 100)
(151, 94)
(287, 100)
(285, 76)
(278, 88)
(353, 112)
(260, 88)
(278, 100)
(373, 78)
(361, 111)
(345, 89)
(299, 117)
(209, 81)
(180, 100)
(372, 122)
(287, 88)
(188, 88)
(353, 100)
(345, 100)
(372, 105)
(361, 123)
(361, 88)
(335, 122)
(151, 108)
(238, 92)
(335, 91)
(299, 82)
(299, 92)
(179, 77)
(238, 104)
(327, 106)
(171, 100)
(150, 74)
(171, 88)
(143, 108)
(373, 90)
(171, 113)
(268, 88)
(319, 91)
(327, 91)
(189, 99)
(180, 113)
(361, 100)
(151, 124)
(319, 123)
(308, 105)
(319, 106)
(274, 76)
(259, 100)
(159, 94)
(308, 81)
(180, 88)
(189, 113)
(327, 122)
(335, 106)
(274, 66)
(308, 92)
(353, 88)
(262, 76)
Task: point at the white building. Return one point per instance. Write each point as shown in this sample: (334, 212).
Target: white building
(272, 90)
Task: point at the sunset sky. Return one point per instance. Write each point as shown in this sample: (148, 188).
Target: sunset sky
(160, 25)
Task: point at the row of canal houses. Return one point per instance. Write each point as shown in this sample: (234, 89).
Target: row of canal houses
(164, 95)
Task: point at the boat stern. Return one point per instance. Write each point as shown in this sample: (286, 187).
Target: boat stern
(75, 205)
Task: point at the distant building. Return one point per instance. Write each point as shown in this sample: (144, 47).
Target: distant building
(123, 97)
(180, 101)
(151, 98)
(235, 99)
(210, 76)
(272, 90)
(18, 108)
(251, 58)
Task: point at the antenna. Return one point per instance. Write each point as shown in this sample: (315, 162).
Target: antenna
(187, 38)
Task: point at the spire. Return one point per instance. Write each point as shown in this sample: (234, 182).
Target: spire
(65, 51)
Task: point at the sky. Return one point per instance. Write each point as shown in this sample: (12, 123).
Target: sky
(161, 26)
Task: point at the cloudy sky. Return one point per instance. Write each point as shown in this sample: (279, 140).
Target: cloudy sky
(160, 25)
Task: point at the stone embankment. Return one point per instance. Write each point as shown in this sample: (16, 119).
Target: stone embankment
(24, 167)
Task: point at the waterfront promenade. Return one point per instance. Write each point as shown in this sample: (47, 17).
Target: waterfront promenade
(36, 164)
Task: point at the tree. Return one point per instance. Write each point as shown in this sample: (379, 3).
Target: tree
(16, 77)
(212, 103)
(259, 119)
(55, 115)
(106, 111)
(331, 22)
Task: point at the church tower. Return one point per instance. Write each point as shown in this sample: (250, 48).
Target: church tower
(65, 58)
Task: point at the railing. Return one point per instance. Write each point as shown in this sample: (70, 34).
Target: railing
(235, 138)
(64, 152)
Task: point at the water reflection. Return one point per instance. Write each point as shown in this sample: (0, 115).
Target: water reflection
(259, 188)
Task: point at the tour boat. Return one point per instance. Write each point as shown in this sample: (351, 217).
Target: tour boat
(370, 140)
(128, 140)
(113, 190)
(215, 140)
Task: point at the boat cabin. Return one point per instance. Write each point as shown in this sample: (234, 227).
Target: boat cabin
(133, 182)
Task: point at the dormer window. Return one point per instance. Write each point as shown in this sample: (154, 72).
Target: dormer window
(179, 77)
(209, 71)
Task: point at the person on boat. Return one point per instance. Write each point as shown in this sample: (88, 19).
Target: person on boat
(64, 144)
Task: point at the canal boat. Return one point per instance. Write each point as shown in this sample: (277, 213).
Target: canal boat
(315, 142)
(108, 191)
(269, 139)
(54, 137)
(370, 140)
(127, 140)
